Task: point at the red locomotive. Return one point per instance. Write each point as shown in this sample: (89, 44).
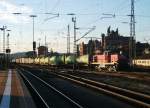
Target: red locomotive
(109, 62)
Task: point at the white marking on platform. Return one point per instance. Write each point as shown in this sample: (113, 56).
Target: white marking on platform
(5, 103)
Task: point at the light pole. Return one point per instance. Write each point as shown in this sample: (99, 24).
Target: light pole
(8, 50)
(5, 50)
(68, 40)
(74, 21)
(34, 43)
(3, 29)
(74, 46)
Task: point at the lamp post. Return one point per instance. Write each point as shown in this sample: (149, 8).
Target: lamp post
(5, 50)
(3, 29)
(74, 45)
(3, 58)
(74, 21)
(8, 50)
(34, 43)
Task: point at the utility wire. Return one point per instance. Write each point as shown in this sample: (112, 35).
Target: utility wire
(121, 5)
(56, 4)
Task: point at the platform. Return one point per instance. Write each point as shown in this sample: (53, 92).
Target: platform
(13, 92)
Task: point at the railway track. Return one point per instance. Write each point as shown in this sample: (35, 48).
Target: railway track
(41, 97)
(137, 99)
(131, 75)
(134, 98)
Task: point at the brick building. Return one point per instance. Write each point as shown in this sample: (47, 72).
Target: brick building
(42, 51)
(92, 47)
(115, 43)
(82, 49)
(112, 41)
(142, 49)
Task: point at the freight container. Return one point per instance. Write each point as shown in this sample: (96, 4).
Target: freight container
(83, 59)
(70, 59)
(55, 60)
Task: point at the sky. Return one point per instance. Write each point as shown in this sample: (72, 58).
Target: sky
(88, 13)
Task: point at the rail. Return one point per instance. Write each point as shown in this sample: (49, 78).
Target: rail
(135, 98)
(54, 89)
(34, 90)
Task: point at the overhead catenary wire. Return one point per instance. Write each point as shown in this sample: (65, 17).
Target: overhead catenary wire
(56, 4)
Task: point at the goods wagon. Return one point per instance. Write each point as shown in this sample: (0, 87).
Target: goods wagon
(37, 60)
(55, 60)
(42, 60)
(83, 59)
(30, 60)
(143, 63)
(70, 59)
(46, 60)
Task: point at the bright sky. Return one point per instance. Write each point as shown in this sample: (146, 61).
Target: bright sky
(89, 13)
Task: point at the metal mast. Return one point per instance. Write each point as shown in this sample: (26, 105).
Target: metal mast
(34, 43)
(4, 28)
(132, 43)
(68, 40)
(74, 47)
(8, 41)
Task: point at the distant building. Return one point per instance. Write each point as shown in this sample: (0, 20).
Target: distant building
(114, 42)
(42, 51)
(82, 48)
(142, 49)
(92, 47)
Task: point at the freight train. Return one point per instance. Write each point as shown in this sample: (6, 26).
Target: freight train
(100, 62)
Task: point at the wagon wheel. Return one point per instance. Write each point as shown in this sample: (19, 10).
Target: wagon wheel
(114, 69)
(99, 69)
(109, 68)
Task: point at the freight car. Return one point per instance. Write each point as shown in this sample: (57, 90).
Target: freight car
(83, 60)
(141, 63)
(106, 61)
